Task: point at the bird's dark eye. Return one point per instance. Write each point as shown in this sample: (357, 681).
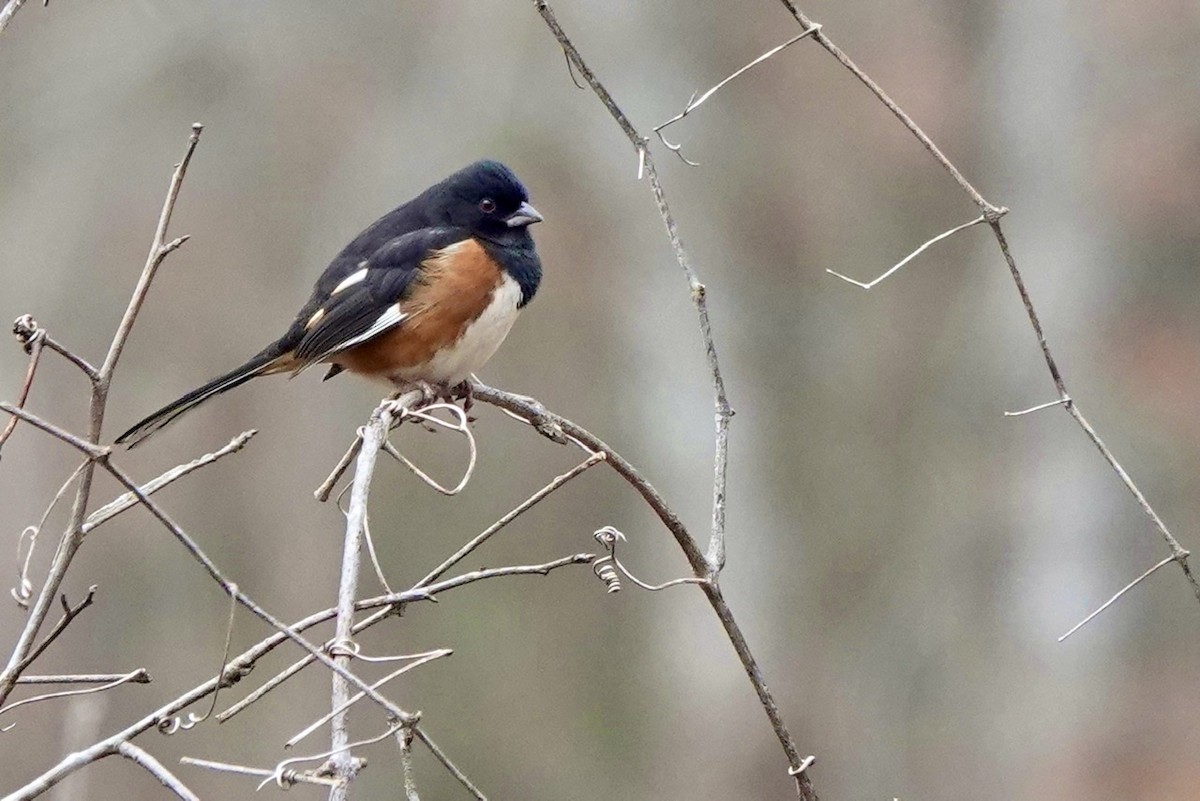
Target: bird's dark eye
(487, 205)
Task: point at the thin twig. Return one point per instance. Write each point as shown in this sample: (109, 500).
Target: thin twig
(356, 764)
(159, 249)
(136, 677)
(289, 777)
(1039, 407)
(139, 676)
(69, 614)
(156, 769)
(322, 492)
(127, 500)
(695, 102)
(1113, 599)
(89, 448)
(440, 755)
(1178, 553)
(910, 256)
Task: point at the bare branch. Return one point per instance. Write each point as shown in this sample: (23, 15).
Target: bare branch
(716, 548)
(240, 665)
(910, 256)
(992, 214)
(543, 420)
(374, 434)
(232, 590)
(156, 769)
(1178, 553)
(125, 501)
(404, 738)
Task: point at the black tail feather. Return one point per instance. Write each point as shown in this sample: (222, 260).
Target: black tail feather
(262, 363)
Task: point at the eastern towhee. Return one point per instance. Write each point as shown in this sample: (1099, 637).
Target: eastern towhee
(425, 294)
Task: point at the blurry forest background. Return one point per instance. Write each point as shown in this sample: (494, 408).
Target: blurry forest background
(901, 556)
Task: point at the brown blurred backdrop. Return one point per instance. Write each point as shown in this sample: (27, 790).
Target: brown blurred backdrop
(901, 556)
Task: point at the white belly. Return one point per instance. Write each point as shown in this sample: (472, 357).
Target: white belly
(478, 343)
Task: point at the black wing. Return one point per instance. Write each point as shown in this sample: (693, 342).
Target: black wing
(368, 301)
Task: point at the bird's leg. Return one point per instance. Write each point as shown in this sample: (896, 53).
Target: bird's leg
(466, 393)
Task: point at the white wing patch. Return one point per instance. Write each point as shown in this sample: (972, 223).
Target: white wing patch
(390, 318)
(350, 280)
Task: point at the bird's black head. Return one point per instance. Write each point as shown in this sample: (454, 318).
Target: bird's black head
(487, 199)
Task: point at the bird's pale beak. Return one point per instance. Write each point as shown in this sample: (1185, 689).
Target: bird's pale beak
(524, 215)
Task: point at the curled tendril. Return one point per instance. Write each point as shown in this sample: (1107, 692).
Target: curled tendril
(609, 569)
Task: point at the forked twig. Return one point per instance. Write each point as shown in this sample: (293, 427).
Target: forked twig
(695, 102)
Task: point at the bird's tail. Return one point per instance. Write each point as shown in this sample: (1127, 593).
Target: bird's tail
(268, 361)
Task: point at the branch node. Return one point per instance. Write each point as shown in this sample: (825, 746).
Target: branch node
(804, 765)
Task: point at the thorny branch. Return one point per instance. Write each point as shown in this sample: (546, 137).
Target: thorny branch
(992, 215)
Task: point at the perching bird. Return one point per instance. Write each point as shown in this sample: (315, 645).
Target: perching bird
(426, 294)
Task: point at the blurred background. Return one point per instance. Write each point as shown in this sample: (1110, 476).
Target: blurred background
(901, 556)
